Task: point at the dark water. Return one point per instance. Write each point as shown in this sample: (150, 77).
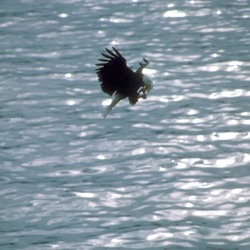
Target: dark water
(172, 172)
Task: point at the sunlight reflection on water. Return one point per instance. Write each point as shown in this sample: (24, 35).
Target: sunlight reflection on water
(171, 172)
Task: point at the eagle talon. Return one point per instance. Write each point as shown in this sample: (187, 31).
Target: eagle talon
(144, 96)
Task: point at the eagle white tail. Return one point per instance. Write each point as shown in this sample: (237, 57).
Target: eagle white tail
(115, 99)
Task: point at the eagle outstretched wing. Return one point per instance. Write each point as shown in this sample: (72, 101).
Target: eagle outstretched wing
(113, 72)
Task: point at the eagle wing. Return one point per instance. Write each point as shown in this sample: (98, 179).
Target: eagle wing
(113, 72)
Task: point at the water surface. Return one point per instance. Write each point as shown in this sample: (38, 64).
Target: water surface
(171, 172)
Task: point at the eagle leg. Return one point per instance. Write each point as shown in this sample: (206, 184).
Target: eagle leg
(142, 92)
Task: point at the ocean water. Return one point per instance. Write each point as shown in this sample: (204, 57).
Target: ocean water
(169, 173)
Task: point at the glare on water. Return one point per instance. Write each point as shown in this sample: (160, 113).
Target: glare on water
(171, 172)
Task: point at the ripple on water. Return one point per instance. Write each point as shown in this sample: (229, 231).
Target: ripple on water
(170, 172)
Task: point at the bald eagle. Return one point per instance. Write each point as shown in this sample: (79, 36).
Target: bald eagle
(119, 81)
